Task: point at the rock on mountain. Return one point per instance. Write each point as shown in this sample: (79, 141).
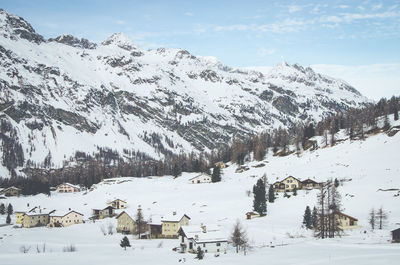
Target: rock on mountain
(64, 95)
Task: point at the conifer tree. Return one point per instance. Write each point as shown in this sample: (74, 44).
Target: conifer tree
(140, 222)
(295, 191)
(372, 218)
(8, 219)
(336, 182)
(216, 175)
(307, 218)
(259, 202)
(199, 253)
(314, 218)
(10, 209)
(271, 194)
(2, 209)
(125, 242)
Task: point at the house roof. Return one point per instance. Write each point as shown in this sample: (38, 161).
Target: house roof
(103, 208)
(396, 230)
(195, 233)
(62, 213)
(202, 174)
(348, 216)
(27, 209)
(291, 177)
(174, 218)
(9, 188)
(69, 184)
(117, 200)
(41, 212)
(310, 181)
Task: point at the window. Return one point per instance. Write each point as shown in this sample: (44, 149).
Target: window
(218, 244)
(204, 245)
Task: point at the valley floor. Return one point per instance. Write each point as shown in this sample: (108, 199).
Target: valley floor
(366, 168)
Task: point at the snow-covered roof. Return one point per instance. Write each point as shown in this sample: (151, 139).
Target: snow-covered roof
(40, 212)
(210, 234)
(173, 217)
(102, 207)
(69, 184)
(117, 200)
(202, 174)
(12, 187)
(27, 209)
(61, 213)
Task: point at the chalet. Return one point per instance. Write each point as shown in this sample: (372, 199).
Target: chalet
(117, 204)
(310, 184)
(220, 164)
(34, 219)
(345, 221)
(170, 225)
(210, 240)
(202, 178)
(67, 187)
(288, 184)
(100, 213)
(65, 218)
(126, 223)
(396, 236)
(251, 215)
(11, 191)
(20, 213)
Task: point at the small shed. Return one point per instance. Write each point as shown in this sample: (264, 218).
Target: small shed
(251, 215)
(396, 236)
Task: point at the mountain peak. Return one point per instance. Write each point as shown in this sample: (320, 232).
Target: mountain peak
(121, 40)
(14, 27)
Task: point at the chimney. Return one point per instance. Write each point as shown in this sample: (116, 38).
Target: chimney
(174, 213)
(204, 228)
(196, 237)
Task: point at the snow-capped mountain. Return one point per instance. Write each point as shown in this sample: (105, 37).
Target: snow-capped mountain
(64, 94)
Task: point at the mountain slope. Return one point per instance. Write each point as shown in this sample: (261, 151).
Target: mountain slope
(63, 95)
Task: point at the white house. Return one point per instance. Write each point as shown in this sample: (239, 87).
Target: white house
(202, 178)
(67, 187)
(210, 240)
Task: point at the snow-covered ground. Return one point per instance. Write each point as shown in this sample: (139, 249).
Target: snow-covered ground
(368, 166)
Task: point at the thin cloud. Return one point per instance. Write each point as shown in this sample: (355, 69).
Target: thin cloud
(265, 52)
(189, 14)
(294, 8)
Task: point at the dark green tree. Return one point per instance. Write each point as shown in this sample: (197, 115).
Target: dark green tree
(2, 209)
(259, 202)
(216, 175)
(10, 209)
(314, 218)
(307, 218)
(295, 191)
(125, 242)
(336, 182)
(8, 220)
(200, 253)
(271, 194)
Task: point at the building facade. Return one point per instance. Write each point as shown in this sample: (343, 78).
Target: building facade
(126, 224)
(101, 213)
(64, 219)
(118, 204)
(170, 225)
(11, 191)
(67, 188)
(288, 184)
(202, 178)
(209, 240)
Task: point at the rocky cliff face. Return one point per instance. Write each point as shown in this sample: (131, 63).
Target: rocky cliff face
(64, 95)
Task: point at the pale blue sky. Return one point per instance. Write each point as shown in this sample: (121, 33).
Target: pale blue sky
(238, 33)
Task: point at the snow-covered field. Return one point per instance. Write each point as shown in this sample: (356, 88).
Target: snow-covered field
(368, 166)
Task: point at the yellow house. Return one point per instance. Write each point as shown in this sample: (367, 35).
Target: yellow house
(63, 219)
(288, 184)
(20, 214)
(36, 219)
(346, 221)
(118, 204)
(126, 224)
(170, 225)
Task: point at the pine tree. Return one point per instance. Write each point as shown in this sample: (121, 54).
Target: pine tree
(140, 222)
(10, 209)
(314, 218)
(199, 253)
(307, 218)
(8, 219)
(336, 182)
(295, 191)
(125, 242)
(271, 194)
(216, 175)
(259, 202)
(2, 209)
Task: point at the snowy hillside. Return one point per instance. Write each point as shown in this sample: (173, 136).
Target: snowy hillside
(366, 169)
(63, 95)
